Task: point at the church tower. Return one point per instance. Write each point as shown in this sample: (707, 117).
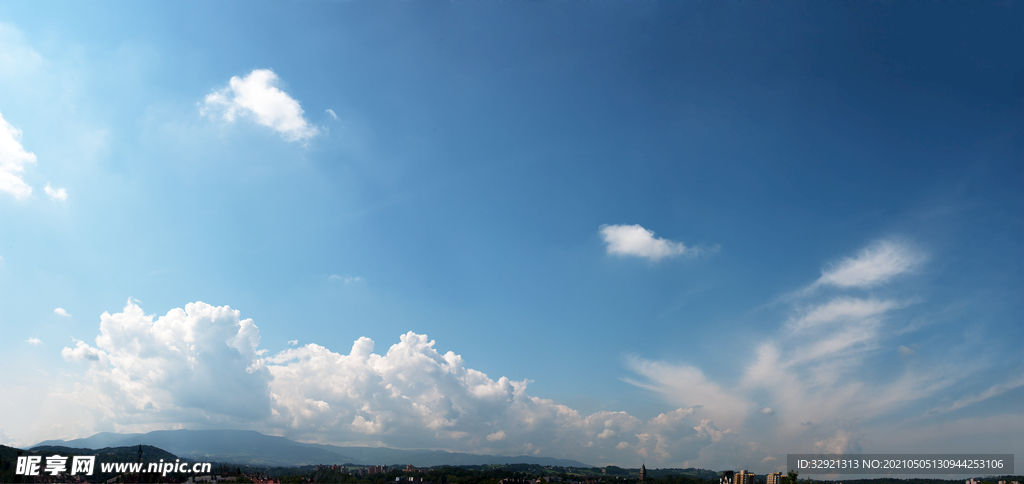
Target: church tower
(643, 472)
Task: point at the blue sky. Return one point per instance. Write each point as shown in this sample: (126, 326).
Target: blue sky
(689, 234)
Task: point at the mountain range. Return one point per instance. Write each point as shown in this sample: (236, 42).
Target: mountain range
(253, 448)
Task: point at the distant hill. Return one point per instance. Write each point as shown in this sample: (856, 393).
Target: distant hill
(250, 447)
(8, 457)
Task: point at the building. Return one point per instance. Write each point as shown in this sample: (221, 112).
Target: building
(643, 472)
(743, 477)
(727, 477)
(775, 478)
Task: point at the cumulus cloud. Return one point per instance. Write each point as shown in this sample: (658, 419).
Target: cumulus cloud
(875, 264)
(82, 352)
(61, 312)
(13, 159)
(257, 96)
(199, 363)
(499, 435)
(634, 240)
(293, 342)
(34, 341)
(55, 194)
(201, 367)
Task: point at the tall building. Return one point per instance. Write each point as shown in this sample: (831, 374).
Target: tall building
(643, 472)
(775, 478)
(743, 477)
(726, 477)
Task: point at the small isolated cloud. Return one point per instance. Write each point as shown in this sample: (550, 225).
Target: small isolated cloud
(55, 194)
(13, 159)
(257, 96)
(768, 411)
(34, 341)
(496, 436)
(344, 279)
(293, 342)
(635, 240)
(331, 112)
(874, 265)
(61, 312)
(905, 351)
(82, 351)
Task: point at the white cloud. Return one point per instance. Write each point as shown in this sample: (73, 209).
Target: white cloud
(56, 194)
(827, 364)
(874, 265)
(496, 436)
(194, 364)
(842, 310)
(993, 391)
(345, 279)
(637, 241)
(13, 159)
(200, 367)
(687, 386)
(34, 341)
(82, 352)
(293, 342)
(257, 96)
(331, 112)
(61, 312)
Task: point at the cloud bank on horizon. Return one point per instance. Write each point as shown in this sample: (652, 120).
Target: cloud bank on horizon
(202, 366)
(812, 386)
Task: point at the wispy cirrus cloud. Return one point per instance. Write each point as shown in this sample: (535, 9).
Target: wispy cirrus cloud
(875, 264)
(993, 391)
(815, 382)
(257, 96)
(636, 241)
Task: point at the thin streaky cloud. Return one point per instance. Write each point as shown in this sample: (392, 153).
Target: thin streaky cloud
(993, 391)
(876, 264)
